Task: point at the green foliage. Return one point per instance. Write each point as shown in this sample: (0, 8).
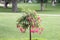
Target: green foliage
(29, 19)
(38, 1)
(58, 1)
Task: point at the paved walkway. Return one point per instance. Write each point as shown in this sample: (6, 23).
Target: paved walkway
(49, 14)
(1, 4)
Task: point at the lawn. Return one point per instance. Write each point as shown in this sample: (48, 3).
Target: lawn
(8, 30)
(20, 6)
(49, 9)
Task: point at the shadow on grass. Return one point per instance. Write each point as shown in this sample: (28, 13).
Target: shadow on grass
(44, 10)
(8, 10)
(2, 9)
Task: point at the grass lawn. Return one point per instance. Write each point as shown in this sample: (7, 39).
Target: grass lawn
(49, 9)
(8, 30)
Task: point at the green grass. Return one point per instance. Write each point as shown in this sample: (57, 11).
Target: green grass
(8, 30)
(49, 9)
(20, 5)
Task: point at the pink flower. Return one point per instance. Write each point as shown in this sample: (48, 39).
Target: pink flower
(22, 30)
(33, 26)
(37, 30)
(32, 31)
(38, 17)
(41, 30)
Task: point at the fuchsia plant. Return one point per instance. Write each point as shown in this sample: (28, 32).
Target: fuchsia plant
(30, 20)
